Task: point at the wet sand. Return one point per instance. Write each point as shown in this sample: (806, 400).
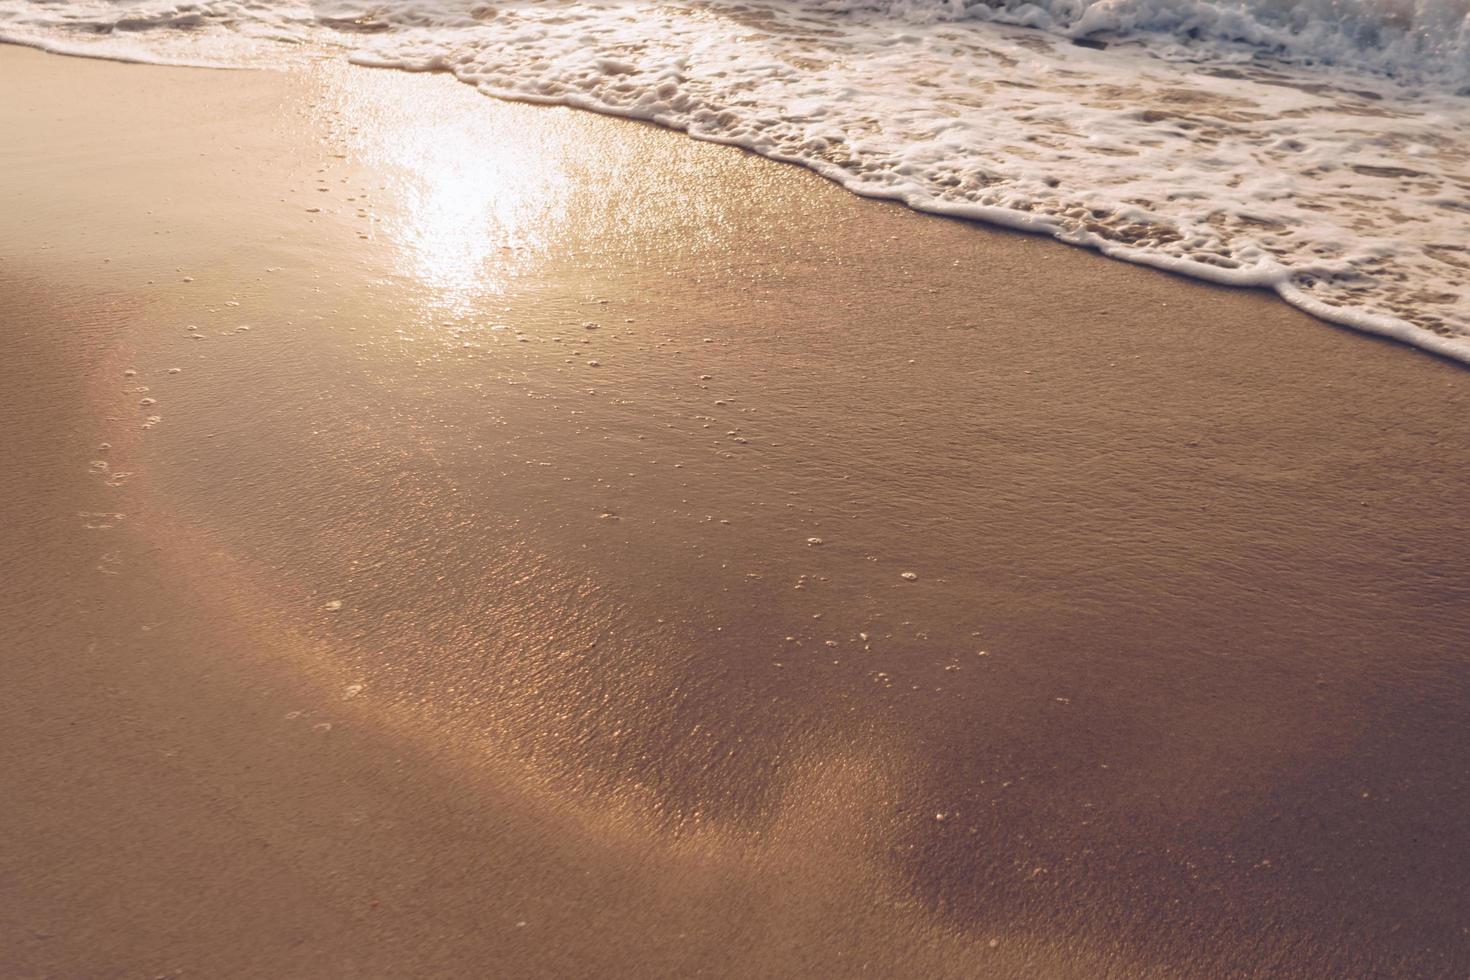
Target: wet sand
(456, 538)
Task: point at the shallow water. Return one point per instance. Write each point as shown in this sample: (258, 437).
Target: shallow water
(1323, 152)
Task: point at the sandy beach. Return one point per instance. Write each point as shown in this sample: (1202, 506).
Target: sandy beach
(449, 537)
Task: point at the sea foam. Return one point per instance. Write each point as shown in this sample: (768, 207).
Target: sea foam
(1320, 149)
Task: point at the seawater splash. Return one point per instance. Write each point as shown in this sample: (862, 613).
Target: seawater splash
(1320, 149)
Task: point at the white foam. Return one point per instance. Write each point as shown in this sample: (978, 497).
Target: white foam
(1343, 189)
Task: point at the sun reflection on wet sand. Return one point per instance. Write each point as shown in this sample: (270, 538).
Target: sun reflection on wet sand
(470, 210)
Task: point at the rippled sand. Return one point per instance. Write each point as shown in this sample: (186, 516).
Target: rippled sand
(610, 554)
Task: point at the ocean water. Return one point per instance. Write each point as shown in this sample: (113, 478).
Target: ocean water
(1318, 148)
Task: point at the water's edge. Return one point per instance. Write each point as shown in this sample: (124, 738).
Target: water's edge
(1276, 279)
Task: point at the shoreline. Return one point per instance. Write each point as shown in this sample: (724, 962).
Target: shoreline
(608, 626)
(1278, 280)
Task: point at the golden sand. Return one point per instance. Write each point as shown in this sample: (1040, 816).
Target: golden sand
(455, 538)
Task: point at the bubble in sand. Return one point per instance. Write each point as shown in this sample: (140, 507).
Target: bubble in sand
(147, 401)
(594, 364)
(129, 373)
(174, 370)
(910, 576)
(333, 605)
(351, 691)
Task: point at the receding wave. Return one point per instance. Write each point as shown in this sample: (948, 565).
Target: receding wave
(1320, 149)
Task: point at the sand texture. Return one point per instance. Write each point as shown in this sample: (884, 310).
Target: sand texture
(453, 538)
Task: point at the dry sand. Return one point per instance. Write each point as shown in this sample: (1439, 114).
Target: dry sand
(460, 617)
